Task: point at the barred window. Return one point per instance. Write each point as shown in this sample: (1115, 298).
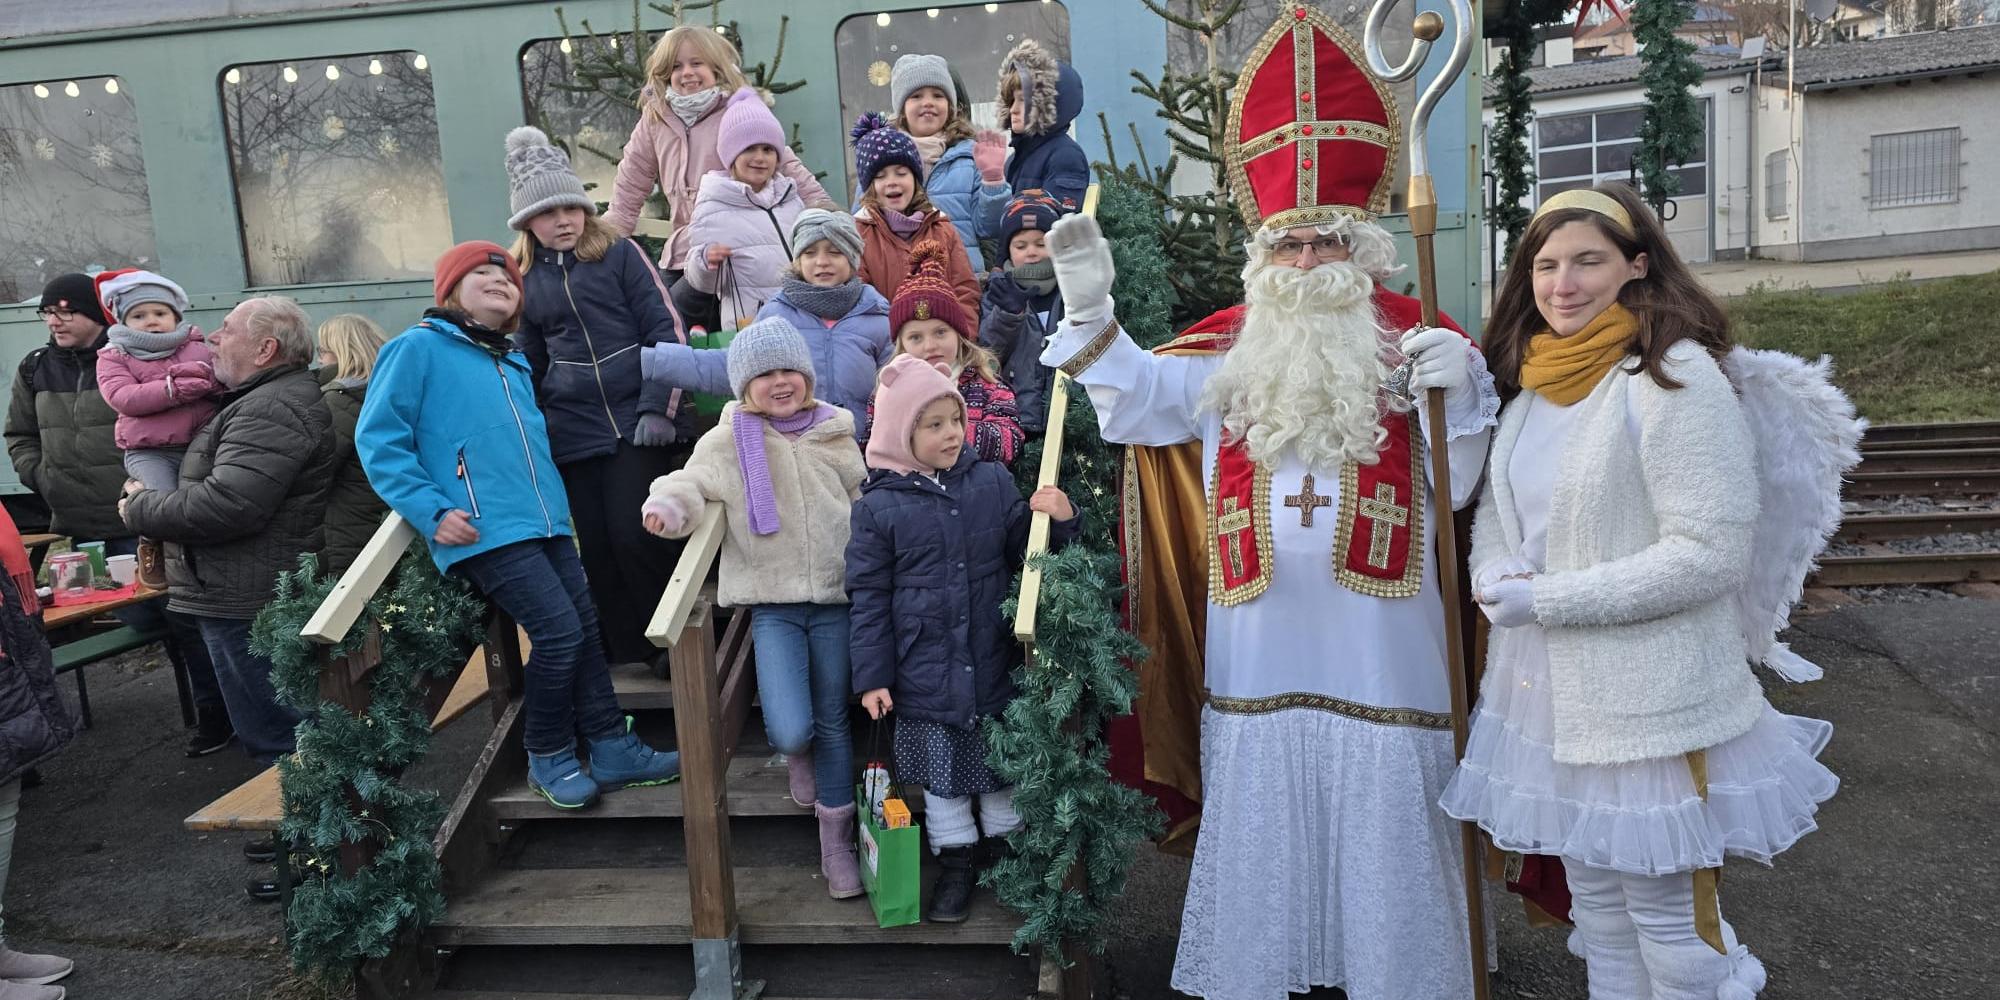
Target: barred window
(72, 183)
(1913, 168)
(1778, 185)
(338, 172)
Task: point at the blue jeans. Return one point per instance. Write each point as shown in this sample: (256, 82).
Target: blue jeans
(540, 584)
(804, 682)
(265, 726)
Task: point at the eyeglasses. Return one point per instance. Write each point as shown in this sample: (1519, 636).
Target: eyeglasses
(62, 314)
(1286, 251)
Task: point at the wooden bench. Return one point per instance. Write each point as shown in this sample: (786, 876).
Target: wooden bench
(74, 656)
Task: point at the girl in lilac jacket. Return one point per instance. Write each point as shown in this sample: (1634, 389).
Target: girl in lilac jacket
(156, 371)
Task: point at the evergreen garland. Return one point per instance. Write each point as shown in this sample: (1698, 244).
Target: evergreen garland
(1671, 133)
(1513, 110)
(428, 625)
(1049, 743)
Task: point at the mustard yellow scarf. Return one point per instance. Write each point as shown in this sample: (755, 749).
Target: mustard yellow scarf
(1565, 369)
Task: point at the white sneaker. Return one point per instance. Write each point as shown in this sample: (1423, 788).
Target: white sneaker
(29, 991)
(27, 969)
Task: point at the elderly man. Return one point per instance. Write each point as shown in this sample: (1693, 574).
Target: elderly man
(60, 435)
(1298, 688)
(252, 497)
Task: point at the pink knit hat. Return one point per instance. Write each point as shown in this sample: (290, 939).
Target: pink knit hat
(745, 123)
(905, 387)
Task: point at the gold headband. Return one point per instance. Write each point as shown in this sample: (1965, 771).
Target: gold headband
(1590, 201)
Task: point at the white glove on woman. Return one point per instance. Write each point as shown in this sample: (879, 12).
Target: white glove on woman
(1082, 259)
(1508, 603)
(1499, 569)
(1440, 361)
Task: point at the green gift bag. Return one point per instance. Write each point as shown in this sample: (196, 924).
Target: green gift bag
(708, 407)
(891, 859)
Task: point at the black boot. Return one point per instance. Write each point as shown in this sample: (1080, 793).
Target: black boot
(951, 897)
(265, 888)
(261, 851)
(211, 732)
(988, 852)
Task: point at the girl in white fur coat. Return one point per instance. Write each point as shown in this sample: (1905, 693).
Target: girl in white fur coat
(785, 468)
(1619, 725)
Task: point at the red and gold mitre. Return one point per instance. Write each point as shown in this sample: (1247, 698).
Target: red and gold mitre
(1312, 134)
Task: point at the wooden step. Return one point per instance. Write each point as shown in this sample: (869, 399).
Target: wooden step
(757, 787)
(786, 905)
(638, 689)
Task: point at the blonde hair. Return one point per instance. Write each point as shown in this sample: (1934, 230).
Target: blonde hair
(591, 245)
(353, 340)
(970, 355)
(709, 44)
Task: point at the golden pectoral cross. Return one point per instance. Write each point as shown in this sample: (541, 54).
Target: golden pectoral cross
(1307, 501)
(1384, 517)
(1232, 524)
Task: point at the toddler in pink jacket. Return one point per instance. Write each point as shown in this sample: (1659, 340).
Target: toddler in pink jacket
(156, 371)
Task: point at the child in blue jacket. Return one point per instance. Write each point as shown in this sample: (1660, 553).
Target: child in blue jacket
(1042, 96)
(934, 543)
(593, 301)
(964, 171)
(1022, 305)
(451, 439)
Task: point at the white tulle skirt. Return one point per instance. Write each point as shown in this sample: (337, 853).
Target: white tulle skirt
(1642, 818)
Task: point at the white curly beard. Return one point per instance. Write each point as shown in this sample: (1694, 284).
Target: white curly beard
(1306, 372)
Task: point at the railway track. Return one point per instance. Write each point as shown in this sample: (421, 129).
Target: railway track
(1945, 462)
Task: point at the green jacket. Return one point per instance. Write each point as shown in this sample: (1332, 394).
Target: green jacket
(353, 511)
(59, 435)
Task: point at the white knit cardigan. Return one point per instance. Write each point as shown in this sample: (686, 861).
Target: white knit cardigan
(1647, 547)
(815, 479)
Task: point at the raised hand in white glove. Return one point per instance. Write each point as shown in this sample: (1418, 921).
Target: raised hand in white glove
(1439, 361)
(1500, 569)
(1508, 603)
(1082, 259)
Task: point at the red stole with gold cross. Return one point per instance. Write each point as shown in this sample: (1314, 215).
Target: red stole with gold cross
(1380, 520)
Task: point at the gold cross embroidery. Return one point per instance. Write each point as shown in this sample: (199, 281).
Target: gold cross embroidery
(1307, 501)
(1233, 523)
(1386, 517)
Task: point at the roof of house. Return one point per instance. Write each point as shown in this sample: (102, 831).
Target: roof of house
(1818, 67)
(1704, 14)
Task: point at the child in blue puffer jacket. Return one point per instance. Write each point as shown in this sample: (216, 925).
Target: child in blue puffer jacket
(844, 320)
(1042, 97)
(934, 542)
(593, 301)
(964, 171)
(452, 440)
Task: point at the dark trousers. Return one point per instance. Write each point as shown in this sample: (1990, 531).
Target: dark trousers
(697, 308)
(628, 567)
(265, 726)
(184, 643)
(540, 584)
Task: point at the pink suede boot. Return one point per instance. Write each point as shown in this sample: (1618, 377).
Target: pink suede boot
(836, 851)
(799, 771)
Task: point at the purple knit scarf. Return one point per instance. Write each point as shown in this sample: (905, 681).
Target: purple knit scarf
(761, 501)
(902, 225)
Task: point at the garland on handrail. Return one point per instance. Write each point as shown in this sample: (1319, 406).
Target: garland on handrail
(1049, 743)
(428, 625)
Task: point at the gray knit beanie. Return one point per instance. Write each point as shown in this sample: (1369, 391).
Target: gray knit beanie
(915, 70)
(539, 177)
(766, 346)
(123, 291)
(832, 225)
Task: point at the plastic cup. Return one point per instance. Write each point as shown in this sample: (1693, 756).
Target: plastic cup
(123, 569)
(95, 550)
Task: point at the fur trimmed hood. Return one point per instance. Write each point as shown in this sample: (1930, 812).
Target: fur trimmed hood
(1054, 90)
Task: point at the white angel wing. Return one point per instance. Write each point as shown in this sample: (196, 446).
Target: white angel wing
(1807, 438)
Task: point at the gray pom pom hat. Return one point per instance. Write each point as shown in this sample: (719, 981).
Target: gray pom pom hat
(539, 177)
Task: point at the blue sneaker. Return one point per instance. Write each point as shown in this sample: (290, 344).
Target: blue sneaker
(560, 779)
(622, 761)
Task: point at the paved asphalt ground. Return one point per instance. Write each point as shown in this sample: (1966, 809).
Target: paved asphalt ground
(1897, 897)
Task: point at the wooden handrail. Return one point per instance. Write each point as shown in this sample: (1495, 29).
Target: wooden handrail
(1038, 529)
(678, 601)
(343, 605)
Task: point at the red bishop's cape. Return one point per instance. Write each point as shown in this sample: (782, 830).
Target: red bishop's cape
(1157, 748)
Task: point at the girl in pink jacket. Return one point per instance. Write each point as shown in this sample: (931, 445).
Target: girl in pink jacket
(690, 75)
(741, 230)
(156, 371)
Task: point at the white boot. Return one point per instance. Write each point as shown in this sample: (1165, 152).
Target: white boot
(1605, 937)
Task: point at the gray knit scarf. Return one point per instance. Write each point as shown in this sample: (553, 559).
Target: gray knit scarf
(1038, 278)
(149, 346)
(826, 303)
(689, 107)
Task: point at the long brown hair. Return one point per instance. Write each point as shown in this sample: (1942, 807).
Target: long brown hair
(1670, 305)
(920, 200)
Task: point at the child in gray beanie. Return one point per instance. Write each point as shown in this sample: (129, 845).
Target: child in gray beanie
(784, 467)
(844, 321)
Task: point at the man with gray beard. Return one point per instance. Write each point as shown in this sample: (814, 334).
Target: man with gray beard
(1280, 569)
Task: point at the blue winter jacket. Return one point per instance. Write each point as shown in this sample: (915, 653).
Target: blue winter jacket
(1016, 340)
(449, 426)
(845, 356)
(974, 206)
(581, 329)
(1049, 159)
(928, 565)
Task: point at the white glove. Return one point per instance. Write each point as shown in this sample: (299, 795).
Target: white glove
(1499, 569)
(1508, 603)
(672, 516)
(1439, 361)
(1082, 259)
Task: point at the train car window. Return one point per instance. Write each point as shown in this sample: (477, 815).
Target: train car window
(591, 124)
(337, 168)
(972, 38)
(74, 183)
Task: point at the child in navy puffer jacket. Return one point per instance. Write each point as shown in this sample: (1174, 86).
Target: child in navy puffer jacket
(1022, 304)
(1042, 97)
(593, 301)
(934, 542)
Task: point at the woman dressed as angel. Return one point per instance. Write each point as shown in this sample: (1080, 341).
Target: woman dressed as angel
(1632, 577)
